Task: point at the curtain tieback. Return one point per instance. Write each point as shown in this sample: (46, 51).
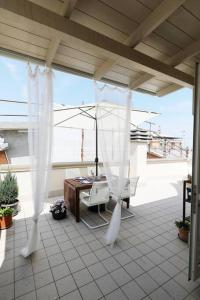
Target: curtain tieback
(35, 220)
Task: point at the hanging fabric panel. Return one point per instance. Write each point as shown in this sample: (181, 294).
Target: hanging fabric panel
(113, 119)
(40, 106)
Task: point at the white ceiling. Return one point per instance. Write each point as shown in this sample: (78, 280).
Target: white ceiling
(174, 41)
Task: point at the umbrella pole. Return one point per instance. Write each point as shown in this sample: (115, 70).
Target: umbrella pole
(82, 144)
(96, 158)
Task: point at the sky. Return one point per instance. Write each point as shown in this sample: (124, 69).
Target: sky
(175, 109)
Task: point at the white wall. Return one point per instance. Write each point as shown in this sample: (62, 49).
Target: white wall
(157, 168)
(138, 158)
(154, 169)
(59, 173)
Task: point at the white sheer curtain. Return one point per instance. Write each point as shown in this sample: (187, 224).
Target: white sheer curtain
(40, 106)
(113, 115)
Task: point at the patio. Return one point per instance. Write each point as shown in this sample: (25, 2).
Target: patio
(148, 262)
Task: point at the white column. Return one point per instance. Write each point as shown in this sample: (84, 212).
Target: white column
(138, 158)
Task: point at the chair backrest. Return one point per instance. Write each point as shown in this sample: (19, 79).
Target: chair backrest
(130, 187)
(99, 192)
(133, 185)
(91, 171)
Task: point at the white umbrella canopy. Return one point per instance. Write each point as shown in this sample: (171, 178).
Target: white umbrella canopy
(83, 116)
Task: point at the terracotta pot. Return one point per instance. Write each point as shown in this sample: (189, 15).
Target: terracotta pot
(183, 234)
(5, 222)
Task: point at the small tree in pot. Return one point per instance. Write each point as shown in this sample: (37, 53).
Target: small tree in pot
(9, 192)
(5, 217)
(184, 229)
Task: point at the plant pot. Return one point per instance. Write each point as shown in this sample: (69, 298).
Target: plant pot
(5, 222)
(183, 234)
(14, 206)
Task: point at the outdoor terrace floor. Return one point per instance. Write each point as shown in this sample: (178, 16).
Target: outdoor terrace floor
(73, 262)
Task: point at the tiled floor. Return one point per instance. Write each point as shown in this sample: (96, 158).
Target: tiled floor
(73, 262)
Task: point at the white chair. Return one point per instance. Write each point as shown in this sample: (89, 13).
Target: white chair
(129, 191)
(91, 171)
(99, 194)
(130, 187)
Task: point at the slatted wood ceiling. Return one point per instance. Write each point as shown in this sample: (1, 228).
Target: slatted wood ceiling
(117, 20)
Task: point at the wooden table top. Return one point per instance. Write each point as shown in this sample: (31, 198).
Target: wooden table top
(78, 184)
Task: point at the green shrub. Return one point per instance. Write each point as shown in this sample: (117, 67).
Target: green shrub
(181, 224)
(5, 212)
(8, 189)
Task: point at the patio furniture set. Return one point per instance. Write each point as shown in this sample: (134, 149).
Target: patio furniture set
(95, 194)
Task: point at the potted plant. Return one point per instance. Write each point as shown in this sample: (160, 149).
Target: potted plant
(184, 229)
(9, 192)
(6, 217)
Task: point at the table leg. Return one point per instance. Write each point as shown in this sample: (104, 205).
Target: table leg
(127, 203)
(127, 200)
(77, 206)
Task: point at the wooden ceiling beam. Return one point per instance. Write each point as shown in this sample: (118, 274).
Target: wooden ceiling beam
(138, 81)
(169, 89)
(104, 68)
(68, 28)
(51, 51)
(55, 6)
(66, 10)
(190, 51)
(158, 16)
(68, 6)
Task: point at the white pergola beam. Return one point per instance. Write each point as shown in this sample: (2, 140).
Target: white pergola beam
(190, 51)
(66, 10)
(167, 90)
(138, 81)
(51, 52)
(66, 27)
(158, 16)
(104, 68)
(68, 7)
(55, 6)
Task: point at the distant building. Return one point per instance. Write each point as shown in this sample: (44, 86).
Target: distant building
(69, 147)
(159, 145)
(14, 136)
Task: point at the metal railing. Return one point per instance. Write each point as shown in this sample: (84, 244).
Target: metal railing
(167, 149)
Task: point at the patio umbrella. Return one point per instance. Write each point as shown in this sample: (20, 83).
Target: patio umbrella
(84, 117)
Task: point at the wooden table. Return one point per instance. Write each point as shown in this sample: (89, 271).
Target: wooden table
(72, 189)
(186, 183)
